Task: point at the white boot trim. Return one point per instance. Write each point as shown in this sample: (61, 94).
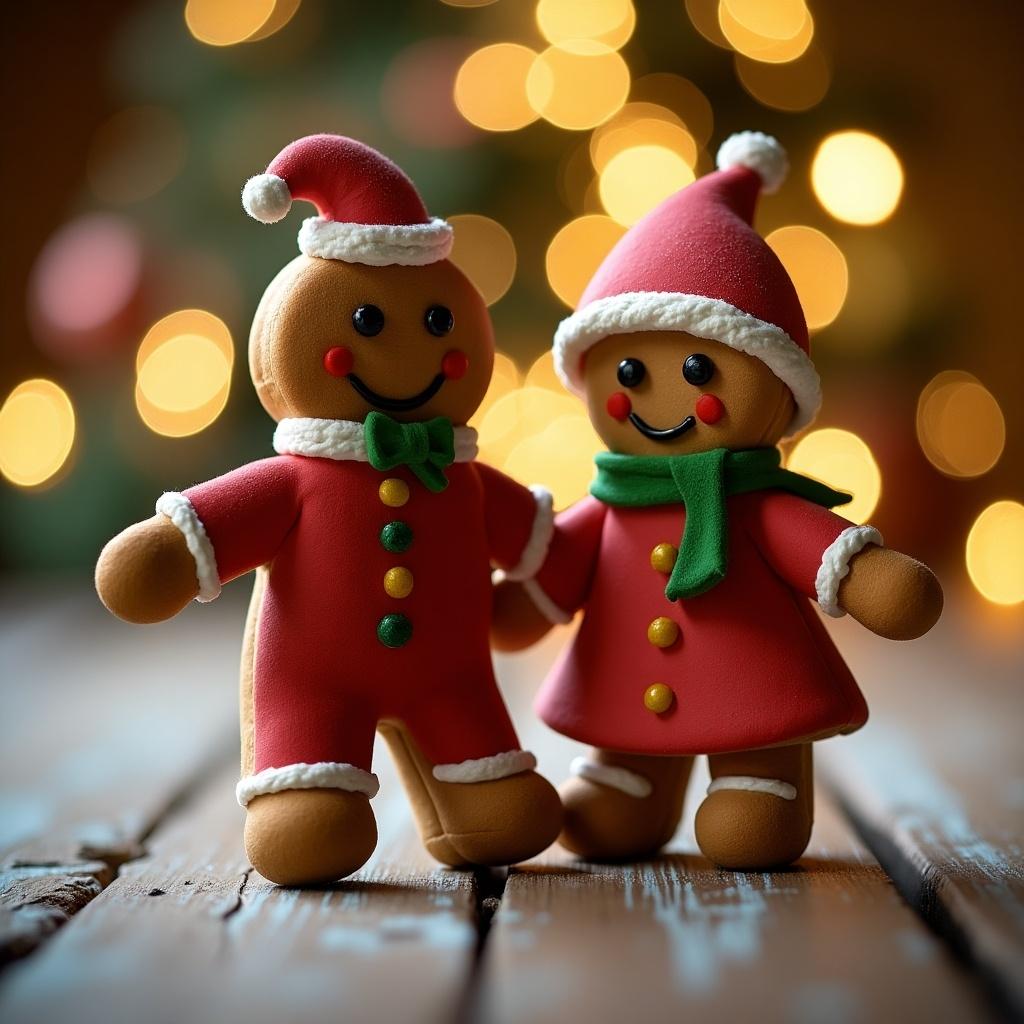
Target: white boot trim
(775, 787)
(486, 769)
(612, 776)
(322, 775)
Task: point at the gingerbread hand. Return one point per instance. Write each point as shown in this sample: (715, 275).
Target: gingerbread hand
(146, 573)
(516, 622)
(891, 594)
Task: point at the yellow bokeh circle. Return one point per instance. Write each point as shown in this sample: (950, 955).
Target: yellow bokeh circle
(857, 177)
(995, 552)
(960, 426)
(842, 460)
(485, 252)
(578, 85)
(183, 372)
(576, 252)
(490, 87)
(37, 432)
(610, 22)
(635, 180)
(817, 268)
(771, 49)
(226, 22)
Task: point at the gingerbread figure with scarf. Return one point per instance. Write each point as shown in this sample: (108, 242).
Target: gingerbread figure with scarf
(696, 558)
(373, 532)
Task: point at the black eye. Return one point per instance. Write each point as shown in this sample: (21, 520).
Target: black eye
(439, 320)
(368, 320)
(698, 369)
(631, 372)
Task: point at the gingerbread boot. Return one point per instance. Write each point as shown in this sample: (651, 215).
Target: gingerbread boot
(309, 836)
(493, 822)
(759, 809)
(622, 806)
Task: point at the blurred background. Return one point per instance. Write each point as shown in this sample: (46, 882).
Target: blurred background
(541, 130)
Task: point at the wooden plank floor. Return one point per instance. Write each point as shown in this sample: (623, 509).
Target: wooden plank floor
(127, 736)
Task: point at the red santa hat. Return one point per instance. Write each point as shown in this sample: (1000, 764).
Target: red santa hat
(695, 264)
(369, 210)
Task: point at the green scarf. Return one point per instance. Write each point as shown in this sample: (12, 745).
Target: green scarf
(701, 482)
(427, 448)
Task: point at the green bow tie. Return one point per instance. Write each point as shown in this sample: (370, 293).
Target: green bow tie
(427, 448)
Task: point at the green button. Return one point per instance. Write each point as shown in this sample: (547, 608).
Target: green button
(394, 630)
(396, 536)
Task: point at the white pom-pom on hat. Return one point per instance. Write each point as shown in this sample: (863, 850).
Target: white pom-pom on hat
(266, 198)
(760, 153)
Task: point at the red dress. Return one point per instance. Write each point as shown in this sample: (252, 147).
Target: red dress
(752, 665)
(323, 675)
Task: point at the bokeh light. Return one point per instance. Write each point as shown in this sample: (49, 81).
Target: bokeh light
(703, 15)
(960, 426)
(484, 251)
(794, 86)
(610, 22)
(641, 124)
(995, 552)
(842, 460)
(135, 153)
(817, 268)
(226, 22)
(183, 369)
(578, 85)
(773, 49)
(857, 177)
(560, 457)
(682, 97)
(490, 87)
(469, 3)
(522, 413)
(576, 252)
(635, 180)
(37, 432)
(505, 378)
(83, 280)
(416, 94)
(541, 374)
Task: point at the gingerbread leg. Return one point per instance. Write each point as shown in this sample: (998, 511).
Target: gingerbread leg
(759, 809)
(622, 806)
(492, 822)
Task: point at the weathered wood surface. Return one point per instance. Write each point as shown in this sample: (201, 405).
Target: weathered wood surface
(104, 727)
(935, 782)
(660, 941)
(191, 933)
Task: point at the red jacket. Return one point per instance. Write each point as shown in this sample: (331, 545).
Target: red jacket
(752, 665)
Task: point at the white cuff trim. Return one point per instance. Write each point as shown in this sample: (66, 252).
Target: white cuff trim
(536, 549)
(486, 769)
(322, 775)
(749, 784)
(612, 776)
(179, 510)
(545, 605)
(376, 245)
(835, 565)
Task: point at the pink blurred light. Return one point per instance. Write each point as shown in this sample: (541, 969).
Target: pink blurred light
(86, 276)
(417, 97)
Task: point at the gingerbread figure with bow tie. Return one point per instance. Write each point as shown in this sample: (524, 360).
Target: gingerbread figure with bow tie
(373, 533)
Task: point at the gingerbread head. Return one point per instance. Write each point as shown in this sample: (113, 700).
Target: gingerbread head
(372, 316)
(690, 337)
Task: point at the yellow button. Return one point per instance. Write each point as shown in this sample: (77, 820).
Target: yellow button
(658, 698)
(398, 582)
(662, 632)
(394, 492)
(663, 558)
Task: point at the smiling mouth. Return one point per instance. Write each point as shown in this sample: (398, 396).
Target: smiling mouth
(396, 404)
(668, 434)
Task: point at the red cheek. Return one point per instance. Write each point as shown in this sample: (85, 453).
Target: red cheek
(338, 361)
(709, 408)
(454, 364)
(619, 406)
